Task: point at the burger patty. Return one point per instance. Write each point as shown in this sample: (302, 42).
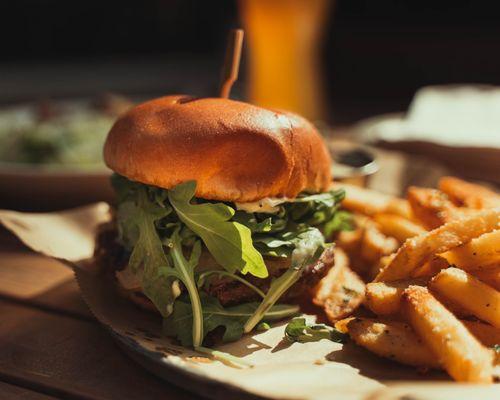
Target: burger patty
(231, 292)
(112, 257)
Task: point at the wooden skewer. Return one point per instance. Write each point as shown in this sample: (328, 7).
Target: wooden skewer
(231, 62)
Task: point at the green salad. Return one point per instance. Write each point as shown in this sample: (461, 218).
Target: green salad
(166, 231)
(58, 133)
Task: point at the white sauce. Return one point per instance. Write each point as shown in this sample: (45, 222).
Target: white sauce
(268, 205)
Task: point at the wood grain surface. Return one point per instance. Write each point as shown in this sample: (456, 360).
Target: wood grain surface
(51, 346)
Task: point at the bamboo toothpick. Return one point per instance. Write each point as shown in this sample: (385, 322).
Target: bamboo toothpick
(231, 62)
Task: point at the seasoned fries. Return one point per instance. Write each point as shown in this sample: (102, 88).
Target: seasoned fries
(384, 298)
(432, 207)
(460, 353)
(481, 300)
(349, 240)
(374, 244)
(341, 291)
(469, 194)
(394, 340)
(370, 202)
(429, 279)
(431, 267)
(418, 250)
(397, 227)
(485, 333)
(327, 285)
(347, 296)
(478, 253)
(490, 276)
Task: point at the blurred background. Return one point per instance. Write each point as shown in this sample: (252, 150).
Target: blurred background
(374, 55)
(69, 68)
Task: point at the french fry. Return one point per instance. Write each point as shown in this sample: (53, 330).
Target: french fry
(349, 240)
(490, 276)
(371, 202)
(341, 325)
(374, 244)
(469, 194)
(416, 251)
(461, 288)
(330, 282)
(381, 264)
(431, 267)
(460, 353)
(398, 227)
(478, 253)
(394, 340)
(398, 206)
(345, 297)
(384, 298)
(341, 291)
(432, 207)
(485, 333)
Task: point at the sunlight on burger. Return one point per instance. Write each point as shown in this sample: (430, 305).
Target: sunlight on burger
(223, 214)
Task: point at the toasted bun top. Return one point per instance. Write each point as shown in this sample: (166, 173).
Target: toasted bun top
(234, 151)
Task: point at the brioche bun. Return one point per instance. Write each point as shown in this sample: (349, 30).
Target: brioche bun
(235, 151)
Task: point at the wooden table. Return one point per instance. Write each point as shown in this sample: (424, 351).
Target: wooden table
(50, 344)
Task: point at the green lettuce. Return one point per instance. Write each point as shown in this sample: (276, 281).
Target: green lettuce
(308, 247)
(277, 234)
(157, 226)
(298, 330)
(229, 242)
(231, 319)
(148, 256)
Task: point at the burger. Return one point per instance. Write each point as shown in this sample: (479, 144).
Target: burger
(222, 216)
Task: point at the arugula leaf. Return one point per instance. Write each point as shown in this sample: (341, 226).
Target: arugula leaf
(298, 330)
(496, 348)
(232, 319)
(298, 216)
(341, 221)
(230, 243)
(184, 270)
(308, 248)
(148, 258)
(260, 223)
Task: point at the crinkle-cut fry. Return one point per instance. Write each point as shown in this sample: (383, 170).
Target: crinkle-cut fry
(485, 333)
(460, 353)
(467, 291)
(394, 340)
(478, 253)
(346, 296)
(431, 207)
(490, 275)
(384, 298)
(416, 251)
(374, 244)
(469, 194)
(330, 282)
(371, 202)
(397, 227)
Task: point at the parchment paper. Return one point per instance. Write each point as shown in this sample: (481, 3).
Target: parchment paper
(318, 370)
